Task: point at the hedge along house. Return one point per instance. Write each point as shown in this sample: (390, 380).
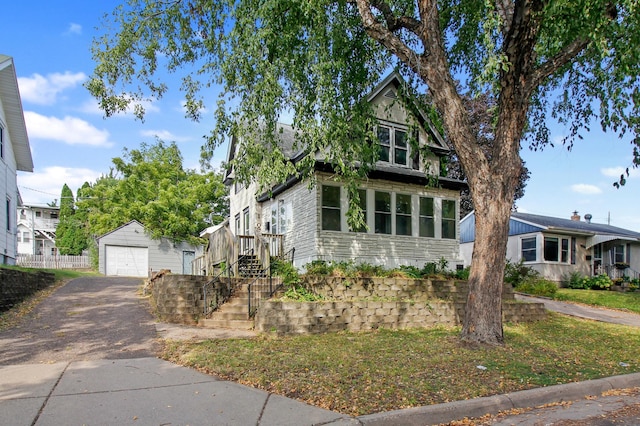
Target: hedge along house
(557, 247)
(411, 212)
(129, 251)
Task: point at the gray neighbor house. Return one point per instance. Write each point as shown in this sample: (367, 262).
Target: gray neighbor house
(557, 247)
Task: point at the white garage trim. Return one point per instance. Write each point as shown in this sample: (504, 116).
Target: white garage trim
(126, 261)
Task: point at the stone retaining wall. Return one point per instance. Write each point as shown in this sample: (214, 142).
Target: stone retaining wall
(178, 298)
(370, 303)
(15, 286)
(321, 317)
(339, 288)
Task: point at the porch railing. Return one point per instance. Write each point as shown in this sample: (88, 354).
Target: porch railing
(615, 271)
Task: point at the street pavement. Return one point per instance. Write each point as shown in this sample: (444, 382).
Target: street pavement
(74, 382)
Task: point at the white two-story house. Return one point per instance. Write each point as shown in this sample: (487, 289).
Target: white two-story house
(15, 154)
(411, 212)
(37, 229)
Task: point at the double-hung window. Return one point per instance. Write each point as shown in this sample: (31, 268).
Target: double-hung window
(528, 249)
(403, 214)
(362, 202)
(331, 208)
(382, 212)
(449, 219)
(427, 228)
(245, 219)
(394, 146)
(618, 253)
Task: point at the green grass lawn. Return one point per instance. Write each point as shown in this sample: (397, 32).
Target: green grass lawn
(368, 372)
(609, 299)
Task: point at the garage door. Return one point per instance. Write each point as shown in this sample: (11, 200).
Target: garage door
(127, 261)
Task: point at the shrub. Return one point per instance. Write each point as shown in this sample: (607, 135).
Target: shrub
(318, 267)
(538, 287)
(575, 281)
(517, 273)
(463, 274)
(600, 282)
(286, 271)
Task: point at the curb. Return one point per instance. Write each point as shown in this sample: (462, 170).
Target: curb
(478, 407)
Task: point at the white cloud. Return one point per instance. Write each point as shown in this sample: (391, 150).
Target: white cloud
(45, 90)
(165, 135)
(43, 186)
(70, 130)
(615, 172)
(585, 189)
(74, 29)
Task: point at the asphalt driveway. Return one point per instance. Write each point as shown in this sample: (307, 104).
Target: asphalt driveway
(89, 318)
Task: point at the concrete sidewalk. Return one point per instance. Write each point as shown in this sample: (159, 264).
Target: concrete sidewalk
(584, 311)
(150, 391)
(142, 391)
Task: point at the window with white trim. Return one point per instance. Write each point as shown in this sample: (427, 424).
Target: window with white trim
(280, 217)
(362, 202)
(449, 219)
(382, 212)
(246, 222)
(556, 249)
(331, 217)
(403, 214)
(394, 145)
(618, 254)
(529, 249)
(427, 222)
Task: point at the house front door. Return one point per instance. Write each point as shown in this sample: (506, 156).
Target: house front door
(597, 259)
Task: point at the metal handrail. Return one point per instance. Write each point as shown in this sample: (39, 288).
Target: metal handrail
(255, 296)
(230, 288)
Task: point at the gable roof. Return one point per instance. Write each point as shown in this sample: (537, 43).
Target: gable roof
(524, 223)
(394, 81)
(12, 104)
(131, 222)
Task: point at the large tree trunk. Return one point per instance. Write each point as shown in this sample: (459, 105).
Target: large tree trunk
(483, 311)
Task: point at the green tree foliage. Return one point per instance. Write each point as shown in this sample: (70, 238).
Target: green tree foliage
(71, 236)
(151, 186)
(575, 60)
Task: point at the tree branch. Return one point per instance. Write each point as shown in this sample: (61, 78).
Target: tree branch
(556, 62)
(505, 11)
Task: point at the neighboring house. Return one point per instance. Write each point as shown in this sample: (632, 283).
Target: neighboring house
(129, 251)
(557, 247)
(411, 212)
(15, 154)
(37, 229)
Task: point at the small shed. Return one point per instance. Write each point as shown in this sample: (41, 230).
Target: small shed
(130, 251)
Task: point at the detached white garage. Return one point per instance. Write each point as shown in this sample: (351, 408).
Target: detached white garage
(129, 251)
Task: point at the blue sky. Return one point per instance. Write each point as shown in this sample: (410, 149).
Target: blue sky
(72, 142)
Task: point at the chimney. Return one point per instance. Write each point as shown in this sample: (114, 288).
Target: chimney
(576, 216)
(587, 218)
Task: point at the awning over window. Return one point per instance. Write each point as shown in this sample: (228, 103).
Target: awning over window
(598, 239)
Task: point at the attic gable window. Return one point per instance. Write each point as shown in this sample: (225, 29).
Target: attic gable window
(394, 145)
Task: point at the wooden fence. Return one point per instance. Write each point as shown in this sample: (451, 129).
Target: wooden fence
(53, 262)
